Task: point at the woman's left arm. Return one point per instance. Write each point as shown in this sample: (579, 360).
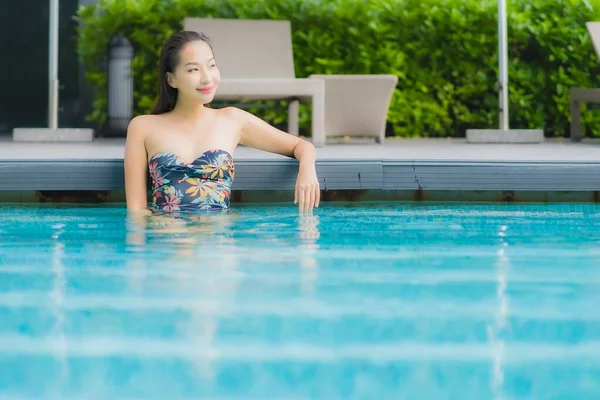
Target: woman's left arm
(259, 134)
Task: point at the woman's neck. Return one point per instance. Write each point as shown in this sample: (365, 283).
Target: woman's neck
(190, 110)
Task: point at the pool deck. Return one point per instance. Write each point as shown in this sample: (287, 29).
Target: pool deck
(398, 164)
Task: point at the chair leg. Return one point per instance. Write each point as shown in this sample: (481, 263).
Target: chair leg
(293, 117)
(318, 117)
(575, 120)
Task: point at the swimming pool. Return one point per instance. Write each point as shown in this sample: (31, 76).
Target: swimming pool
(363, 301)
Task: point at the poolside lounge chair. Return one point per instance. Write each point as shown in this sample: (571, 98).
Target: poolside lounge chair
(581, 95)
(357, 105)
(256, 61)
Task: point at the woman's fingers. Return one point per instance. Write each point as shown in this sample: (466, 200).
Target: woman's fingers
(307, 197)
(301, 198)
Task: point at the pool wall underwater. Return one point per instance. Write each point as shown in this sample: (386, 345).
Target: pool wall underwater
(283, 196)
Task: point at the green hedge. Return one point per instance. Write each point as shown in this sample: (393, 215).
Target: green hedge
(443, 51)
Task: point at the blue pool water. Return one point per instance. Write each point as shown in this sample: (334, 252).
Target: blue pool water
(369, 301)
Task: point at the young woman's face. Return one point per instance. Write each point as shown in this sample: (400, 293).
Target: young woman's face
(197, 76)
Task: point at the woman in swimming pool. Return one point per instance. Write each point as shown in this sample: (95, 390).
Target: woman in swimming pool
(187, 148)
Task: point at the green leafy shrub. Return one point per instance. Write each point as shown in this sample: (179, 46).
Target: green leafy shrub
(444, 53)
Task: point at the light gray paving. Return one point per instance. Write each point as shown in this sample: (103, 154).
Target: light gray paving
(398, 164)
(392, 149)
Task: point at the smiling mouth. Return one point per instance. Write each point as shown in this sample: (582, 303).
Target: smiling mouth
(206, 90)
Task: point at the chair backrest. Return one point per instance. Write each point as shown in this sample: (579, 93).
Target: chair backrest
(594, 31)
(247, 48)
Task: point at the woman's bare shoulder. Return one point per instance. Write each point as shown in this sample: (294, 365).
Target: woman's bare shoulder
(233, 113)
(142, 125)
(233, 117)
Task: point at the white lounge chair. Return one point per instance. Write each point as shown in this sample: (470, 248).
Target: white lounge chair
(256, 61)
(357, 105)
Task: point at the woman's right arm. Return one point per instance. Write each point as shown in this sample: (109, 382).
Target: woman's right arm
(136, 167)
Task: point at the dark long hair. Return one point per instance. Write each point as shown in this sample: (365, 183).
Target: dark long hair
(169, 59)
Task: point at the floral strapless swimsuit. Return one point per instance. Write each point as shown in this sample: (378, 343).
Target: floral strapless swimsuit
(203, 184)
